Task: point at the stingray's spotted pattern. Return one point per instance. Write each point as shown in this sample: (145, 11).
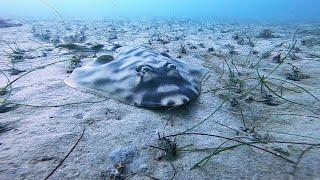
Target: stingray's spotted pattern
(141, 77)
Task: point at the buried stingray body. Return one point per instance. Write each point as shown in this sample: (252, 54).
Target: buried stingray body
(141, 77)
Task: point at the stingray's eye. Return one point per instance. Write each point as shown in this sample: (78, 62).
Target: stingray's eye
(143, 69)
(171, 66)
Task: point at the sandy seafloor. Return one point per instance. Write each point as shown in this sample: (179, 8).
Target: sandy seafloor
(34, 140)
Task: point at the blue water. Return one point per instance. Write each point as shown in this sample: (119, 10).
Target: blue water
(274, 10)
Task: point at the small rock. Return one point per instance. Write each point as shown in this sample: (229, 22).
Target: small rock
(193, 47)
(211, 49)
(284, 151)
(165, 54)
(30, 57)
(255, 52)
(123, 155)
(14, 72)
(6, 107)
(277, 58)
(202, 45)
(183, 50)
(266, 34)
(249, 99)
(265, 55)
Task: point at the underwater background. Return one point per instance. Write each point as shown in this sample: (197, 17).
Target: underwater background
(265, 10)
(159, 89)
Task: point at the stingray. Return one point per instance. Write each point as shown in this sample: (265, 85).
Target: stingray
(141, 77)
